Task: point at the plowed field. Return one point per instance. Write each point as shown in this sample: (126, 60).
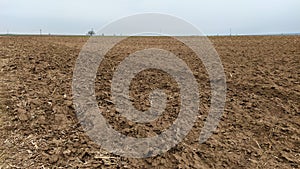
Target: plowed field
(260, 127)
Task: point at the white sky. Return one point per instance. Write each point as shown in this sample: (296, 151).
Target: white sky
(210, 16)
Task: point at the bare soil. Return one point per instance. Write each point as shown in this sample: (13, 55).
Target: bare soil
(260, 127)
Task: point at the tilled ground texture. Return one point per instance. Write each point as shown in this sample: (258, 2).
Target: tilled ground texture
(260, 127)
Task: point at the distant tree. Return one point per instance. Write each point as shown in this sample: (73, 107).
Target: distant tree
(91, 32)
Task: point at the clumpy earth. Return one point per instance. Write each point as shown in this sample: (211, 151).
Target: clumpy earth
(260, 127)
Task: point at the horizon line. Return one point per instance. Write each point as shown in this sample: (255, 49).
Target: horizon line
(120, 35)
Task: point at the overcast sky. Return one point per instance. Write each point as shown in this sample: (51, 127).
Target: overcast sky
(210, 16)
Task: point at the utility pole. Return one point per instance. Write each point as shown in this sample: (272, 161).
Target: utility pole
(40, 31)
(230, 32)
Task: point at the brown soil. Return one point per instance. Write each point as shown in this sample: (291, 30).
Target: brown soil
(260, 127)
